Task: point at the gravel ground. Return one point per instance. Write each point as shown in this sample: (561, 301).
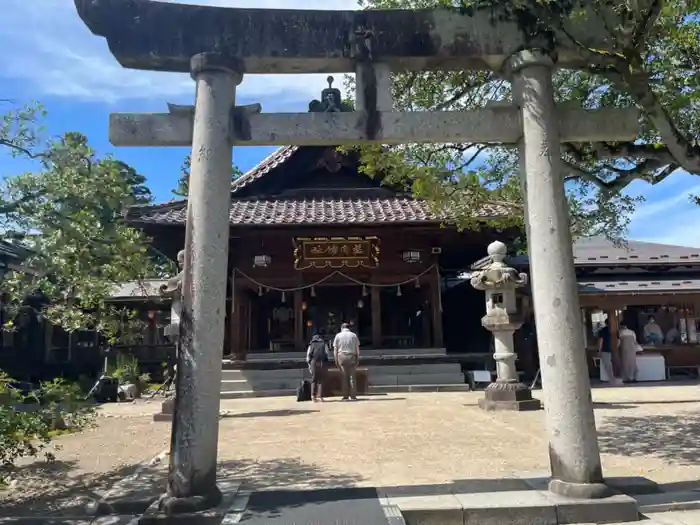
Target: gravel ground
(403, 439)
(86, 465)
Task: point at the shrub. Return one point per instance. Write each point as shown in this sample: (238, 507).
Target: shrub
(30, 419)
(126, 370)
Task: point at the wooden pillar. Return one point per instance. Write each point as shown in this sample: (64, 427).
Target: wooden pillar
(236, 343)
(425, 316)
(376, 317)
(614, 323)
(436, 308)
(298, 321)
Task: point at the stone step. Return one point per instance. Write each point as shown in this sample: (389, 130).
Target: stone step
(374, 371)
(396, 352)
(525, 507)
(286, 383)
(265, 375)
(416, 379)
(264, 384)
(395, 389)
(392, 389)
(241, 394)
(429, 368)
(669, 501)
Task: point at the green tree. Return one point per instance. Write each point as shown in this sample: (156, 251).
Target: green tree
(69, 214)
(654, 65)
(183, 185)
(28, 422)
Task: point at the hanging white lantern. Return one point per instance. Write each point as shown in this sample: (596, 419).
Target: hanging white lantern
(262, 261)
(411, 256)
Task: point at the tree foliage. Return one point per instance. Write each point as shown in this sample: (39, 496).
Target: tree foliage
(69, 214)
(29, 420)
(653, 64)
(183, 186)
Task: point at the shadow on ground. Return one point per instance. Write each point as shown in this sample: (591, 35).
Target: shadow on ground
(54, 489)
(672, 438)
(45, 489)
(270, 413)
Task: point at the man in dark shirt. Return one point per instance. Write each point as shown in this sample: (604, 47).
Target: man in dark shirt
(605, 352)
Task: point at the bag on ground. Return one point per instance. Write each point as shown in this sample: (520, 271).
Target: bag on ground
(304, 391)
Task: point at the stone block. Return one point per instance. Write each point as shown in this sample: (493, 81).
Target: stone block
(669, 501)
(520, 507)
(511, 396)
(167, 409)
(614, 509)
(442, 509)
(513, 406)
(332, 385)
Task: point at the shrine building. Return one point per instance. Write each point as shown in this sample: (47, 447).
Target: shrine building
(315, 243)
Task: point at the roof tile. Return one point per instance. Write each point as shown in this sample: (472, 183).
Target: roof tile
(309, 211)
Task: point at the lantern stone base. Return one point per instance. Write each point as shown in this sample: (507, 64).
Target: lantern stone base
(166, 410)
(511, 396)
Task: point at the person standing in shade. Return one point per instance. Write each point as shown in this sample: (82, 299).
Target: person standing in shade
(652, 332)
(346, 351)
(605, 352)
(317, 359)
(628, 354)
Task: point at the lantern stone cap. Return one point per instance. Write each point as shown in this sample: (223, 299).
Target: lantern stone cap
(497, 275)
(497, 251)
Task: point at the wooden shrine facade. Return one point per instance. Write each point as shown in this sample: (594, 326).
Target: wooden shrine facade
(314, 243)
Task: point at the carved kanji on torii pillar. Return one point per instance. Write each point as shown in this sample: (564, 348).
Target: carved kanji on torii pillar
(222, 44)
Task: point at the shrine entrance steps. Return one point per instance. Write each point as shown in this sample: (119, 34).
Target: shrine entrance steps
(400, 370)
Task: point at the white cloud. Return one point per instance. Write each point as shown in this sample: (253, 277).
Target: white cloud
(665, 206)
(53, 53)
(671, 219)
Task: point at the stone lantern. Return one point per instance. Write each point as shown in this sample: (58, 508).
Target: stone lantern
(173, 289)
(502, 319)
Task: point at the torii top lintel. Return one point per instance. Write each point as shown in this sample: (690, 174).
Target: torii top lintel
(162, 36)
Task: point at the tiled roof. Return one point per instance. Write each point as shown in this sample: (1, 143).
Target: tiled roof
(279, 156)
(599, 251)
(639, 286)
(147, 288)
(360, 206)
(307, 211)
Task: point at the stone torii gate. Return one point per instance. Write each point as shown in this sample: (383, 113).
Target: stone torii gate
(217, 46)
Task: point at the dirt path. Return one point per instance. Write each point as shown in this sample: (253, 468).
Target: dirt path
(405, 439)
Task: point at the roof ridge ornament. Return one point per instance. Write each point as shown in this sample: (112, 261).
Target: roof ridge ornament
(331, 101)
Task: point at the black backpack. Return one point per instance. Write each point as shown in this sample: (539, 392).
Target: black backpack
(304, 391)
(318, 352)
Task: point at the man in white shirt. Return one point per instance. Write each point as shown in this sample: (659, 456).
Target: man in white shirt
(346, 351)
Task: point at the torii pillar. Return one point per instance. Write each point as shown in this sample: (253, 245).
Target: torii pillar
(573, 443)
(195, 433)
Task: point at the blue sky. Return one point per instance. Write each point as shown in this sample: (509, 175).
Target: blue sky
(50, 56)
